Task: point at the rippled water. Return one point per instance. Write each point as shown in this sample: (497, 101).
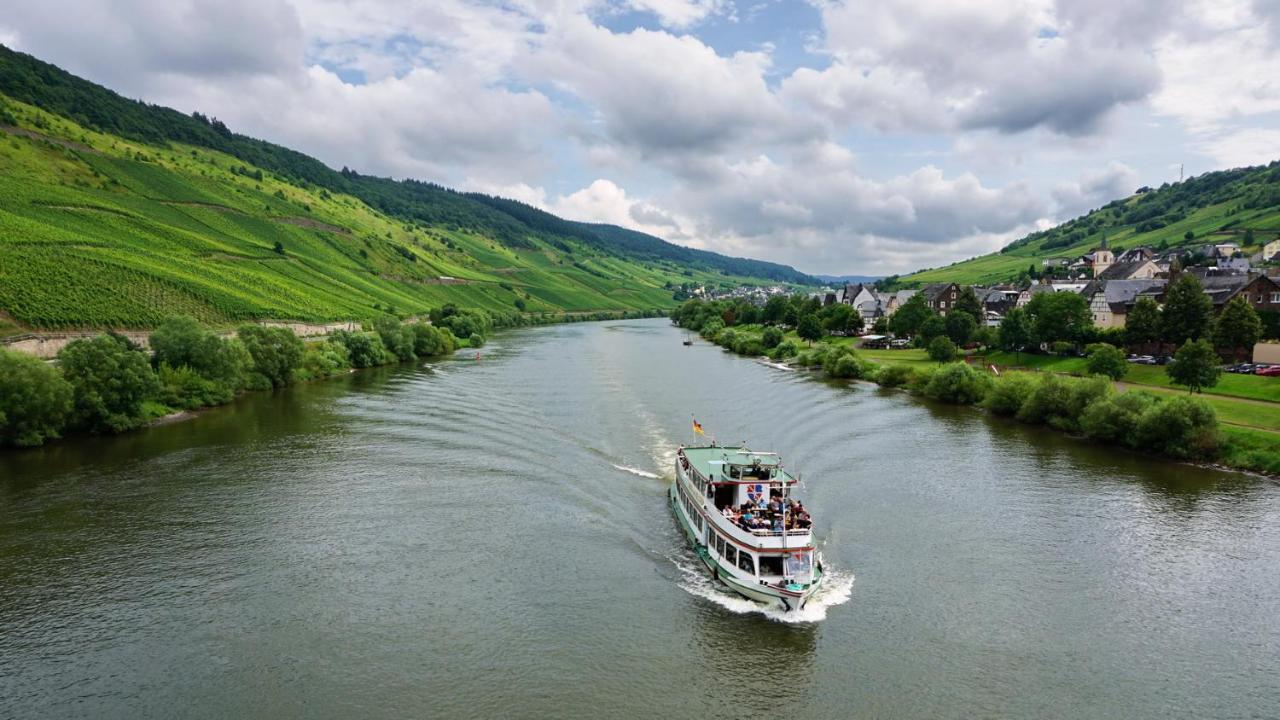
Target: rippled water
(491, 539)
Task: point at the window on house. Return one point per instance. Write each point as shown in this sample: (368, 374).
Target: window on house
(1275, 297)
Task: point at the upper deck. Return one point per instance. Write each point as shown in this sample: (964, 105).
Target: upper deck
(737, 465)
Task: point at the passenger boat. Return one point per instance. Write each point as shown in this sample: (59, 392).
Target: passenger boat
(766, 555)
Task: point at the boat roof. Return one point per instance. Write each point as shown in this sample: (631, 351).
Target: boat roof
(709, 460)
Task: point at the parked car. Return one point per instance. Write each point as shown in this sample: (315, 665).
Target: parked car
(1163, 359)
(1268, 371)
(1143, 360)
(1242, 368)
(900, 343)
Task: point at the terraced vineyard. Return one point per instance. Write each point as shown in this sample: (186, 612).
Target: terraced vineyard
(97, 230)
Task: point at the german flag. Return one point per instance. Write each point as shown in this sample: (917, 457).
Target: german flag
(698, 428)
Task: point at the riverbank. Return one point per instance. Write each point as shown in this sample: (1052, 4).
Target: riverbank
(1221, 430)
(110, 383)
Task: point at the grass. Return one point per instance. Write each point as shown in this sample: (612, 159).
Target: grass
(126, 234)
(1251, 450)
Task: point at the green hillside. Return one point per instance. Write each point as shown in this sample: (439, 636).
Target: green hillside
(1240, 206)
(114, 213)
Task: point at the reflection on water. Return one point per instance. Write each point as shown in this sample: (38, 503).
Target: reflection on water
(492, 539)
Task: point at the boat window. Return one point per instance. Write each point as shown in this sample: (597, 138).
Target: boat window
(798, 564)
(746, 562)
(770, 564)
(731, 554)
(711, 537)
(719, 545)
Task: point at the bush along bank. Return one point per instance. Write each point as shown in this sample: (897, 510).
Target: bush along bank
(108, 384)
(1178, 427)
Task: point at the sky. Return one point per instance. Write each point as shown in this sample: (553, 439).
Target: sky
(837, 137)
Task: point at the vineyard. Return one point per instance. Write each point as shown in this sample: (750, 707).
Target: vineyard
(100, 231)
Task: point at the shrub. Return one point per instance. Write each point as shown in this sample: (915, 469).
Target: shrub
(750, 346)
(783, 350)
(711, 329)
(475, 340)
(893, 375)
(183, 340)
(1062, 347)
(942, 349)
(396, 338)
(959, 384)
(110, 381)
(276, 352)
(1049, 399)
(365, 350)
(771, 338)
(1181, 427)
(322, 360)
(1009, 392)
(1108, 360)
(183, 387)
(35, 400)
(845, 366)
(1114, 419)
(919, 381)
(430, 341)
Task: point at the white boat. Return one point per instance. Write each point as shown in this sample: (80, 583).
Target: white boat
(766, 555)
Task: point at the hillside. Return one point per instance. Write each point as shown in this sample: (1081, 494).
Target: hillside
(1221, 206)
(115, 213)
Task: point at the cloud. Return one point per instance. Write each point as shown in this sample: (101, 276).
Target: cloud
(1093, 190)
(679, 13)
(929, 65)
(1241, 147)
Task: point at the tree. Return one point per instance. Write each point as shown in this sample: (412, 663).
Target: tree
(1108, 360)
(278, 247)
(1188, 311)
(364, 349)
(1238, 327)
(398, 339)
(429, 341)
(34, 400)
(908, 319)
(1195, 365)
(475, 340)
(969, 304)
(932, 327)
(880, 326)
(182, 341)
(775, 309)
(276, 352)
(1059, 316)
(942, 349)
(1015, 331)
(809, 329)
(960, 326)
(841, 319)
(1142, 326)
(109, 381)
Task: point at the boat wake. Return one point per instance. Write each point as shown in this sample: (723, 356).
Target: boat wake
(776, 365)
(835, 590)
(636, 471)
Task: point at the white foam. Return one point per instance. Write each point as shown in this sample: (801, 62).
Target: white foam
(776, 365)
(637, 471)
(836, 589)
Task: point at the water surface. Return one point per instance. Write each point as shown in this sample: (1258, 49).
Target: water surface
(491, 539)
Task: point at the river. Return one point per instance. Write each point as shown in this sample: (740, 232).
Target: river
(491, 539)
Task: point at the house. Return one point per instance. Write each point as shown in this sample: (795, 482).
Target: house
(856, 294)
(1262, 292)
(941, 297)
(1136, 254)
(1270, 251)
(1111, 300)
(998, 300)
(1132, 270)
(1236, 263)
(1025, 296)
(894, 300)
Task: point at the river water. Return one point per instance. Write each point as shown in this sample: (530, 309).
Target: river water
(491, 539)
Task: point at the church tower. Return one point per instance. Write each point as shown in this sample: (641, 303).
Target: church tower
(1102, 258)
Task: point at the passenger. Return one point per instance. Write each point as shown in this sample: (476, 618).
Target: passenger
(727, 511)
(777, 525)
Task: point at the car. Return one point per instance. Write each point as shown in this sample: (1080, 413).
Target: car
(1142, 359)
(900, 343)
(1163, 360)
(1269, 371)
(1242, 368)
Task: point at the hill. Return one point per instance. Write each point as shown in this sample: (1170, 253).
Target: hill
(116, 213)
(1240, 206)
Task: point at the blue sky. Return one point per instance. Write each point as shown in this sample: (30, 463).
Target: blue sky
(840, 137)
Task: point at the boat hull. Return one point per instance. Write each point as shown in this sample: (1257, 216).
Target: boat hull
(765, 595)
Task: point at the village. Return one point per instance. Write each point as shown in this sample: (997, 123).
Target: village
(1111, 283)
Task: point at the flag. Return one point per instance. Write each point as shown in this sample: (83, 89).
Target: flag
(697, 428)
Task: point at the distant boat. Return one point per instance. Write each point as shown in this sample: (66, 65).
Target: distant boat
(772, 561)
(688, 341)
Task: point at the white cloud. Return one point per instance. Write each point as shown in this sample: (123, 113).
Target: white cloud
(1095, 189)
(679, 13)
(1248, 146)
